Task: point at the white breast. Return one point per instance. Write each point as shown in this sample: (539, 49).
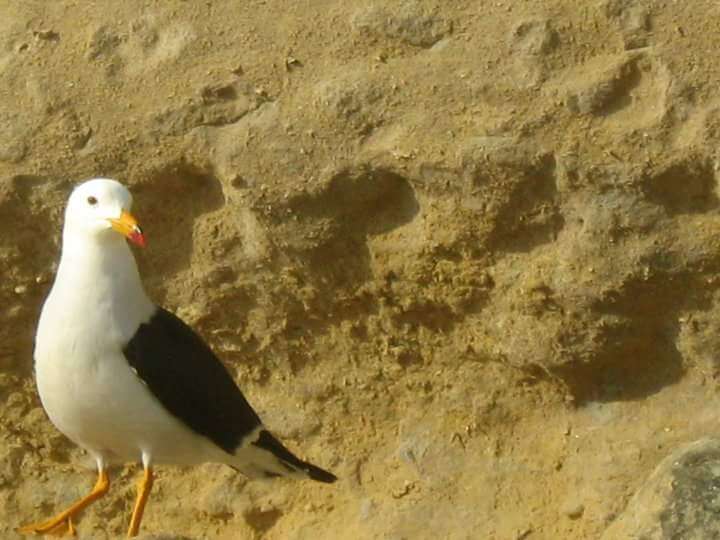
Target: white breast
(85, 383)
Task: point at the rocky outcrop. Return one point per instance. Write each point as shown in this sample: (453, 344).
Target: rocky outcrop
(678, 500)
(465, 254)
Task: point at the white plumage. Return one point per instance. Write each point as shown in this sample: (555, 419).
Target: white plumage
(127, 380)
(95, 306)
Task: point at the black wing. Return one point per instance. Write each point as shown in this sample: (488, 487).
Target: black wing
(268, 442)
(190, 381)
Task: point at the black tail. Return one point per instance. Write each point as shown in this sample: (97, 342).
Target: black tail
(268, 442)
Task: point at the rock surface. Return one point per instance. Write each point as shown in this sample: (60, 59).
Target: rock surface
(464, 254)
(679, 500)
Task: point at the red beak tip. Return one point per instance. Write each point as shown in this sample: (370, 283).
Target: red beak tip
(138, 239)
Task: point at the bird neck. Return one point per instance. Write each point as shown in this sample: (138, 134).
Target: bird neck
(100, 272)
(97, 255)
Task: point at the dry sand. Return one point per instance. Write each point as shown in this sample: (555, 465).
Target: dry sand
(465, 254)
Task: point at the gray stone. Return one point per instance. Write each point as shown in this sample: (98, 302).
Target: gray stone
(680, 499)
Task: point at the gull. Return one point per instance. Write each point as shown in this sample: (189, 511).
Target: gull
(128, 380)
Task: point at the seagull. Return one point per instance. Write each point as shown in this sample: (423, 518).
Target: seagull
(128, 380)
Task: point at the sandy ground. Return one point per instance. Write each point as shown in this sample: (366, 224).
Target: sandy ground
(464, 254)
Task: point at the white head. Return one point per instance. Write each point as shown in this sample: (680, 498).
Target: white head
(100, 207)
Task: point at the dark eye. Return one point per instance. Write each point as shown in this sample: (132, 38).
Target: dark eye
(92, 200)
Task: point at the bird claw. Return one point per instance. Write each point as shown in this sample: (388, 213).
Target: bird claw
(64, 527)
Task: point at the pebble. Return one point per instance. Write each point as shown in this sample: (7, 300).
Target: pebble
(407, 488)
(573, 510)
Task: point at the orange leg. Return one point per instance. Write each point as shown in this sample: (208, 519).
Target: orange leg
(144, 487)
(62, 523)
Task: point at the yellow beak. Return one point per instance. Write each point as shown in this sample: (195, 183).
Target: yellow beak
(128, 226)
